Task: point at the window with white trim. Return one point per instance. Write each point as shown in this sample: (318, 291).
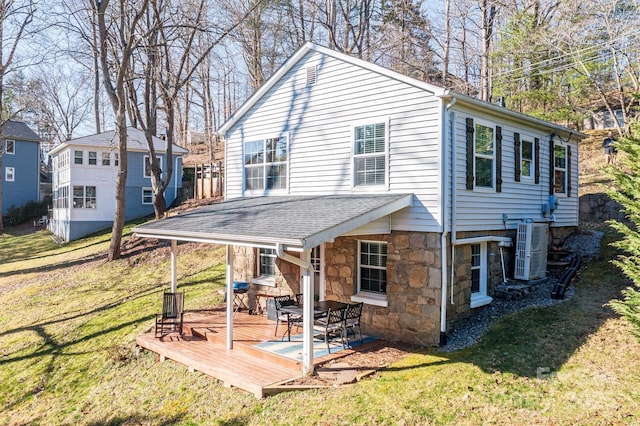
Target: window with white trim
(84, 197)
(560, 169)
(106, 158)
(9, 174)
(116, 159)
(147, 165)
(265, 164)
(479, 276)
(93, 158)
(267, 262)
(78, 157)
(526, 159)
(369, 154)
(147, 196)
(9, 146)
(372, 267)
(484, 156)
(61, 197)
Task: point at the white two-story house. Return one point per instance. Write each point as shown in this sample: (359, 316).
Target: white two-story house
(393, 192)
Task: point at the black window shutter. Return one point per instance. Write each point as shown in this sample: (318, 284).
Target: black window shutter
(551, 168)
(537, 159)
(568, 170)
(518, 164)
(469, 153)
(498, 159)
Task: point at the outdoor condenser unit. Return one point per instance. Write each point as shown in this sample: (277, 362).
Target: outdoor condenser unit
(531, 251)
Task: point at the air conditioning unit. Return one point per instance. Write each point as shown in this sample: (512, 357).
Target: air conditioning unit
(531, 251)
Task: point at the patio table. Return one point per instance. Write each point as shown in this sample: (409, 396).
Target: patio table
(319, 309)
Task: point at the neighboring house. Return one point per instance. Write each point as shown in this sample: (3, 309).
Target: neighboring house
(20, 165)
(84, 181)
(401, 194)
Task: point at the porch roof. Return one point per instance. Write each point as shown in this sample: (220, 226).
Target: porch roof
(297, 223)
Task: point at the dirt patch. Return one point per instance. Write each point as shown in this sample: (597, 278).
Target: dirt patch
(355, 366)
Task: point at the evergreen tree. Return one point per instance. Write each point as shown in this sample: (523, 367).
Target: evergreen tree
(626, 177)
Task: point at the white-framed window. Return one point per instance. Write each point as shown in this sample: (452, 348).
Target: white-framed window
(372, 273)
(61, 197)
(267, 262)
(116, 159)
(147, 165)
(84, 197)
(9, 174)
(479, 276)
(370, 154)
(106, 158)
(93, 158)
(63, 159)
(560, 169)
(484, 156)
(265, 164)
(78, 157)
(147, 196)
(9, 146)
(527, 159)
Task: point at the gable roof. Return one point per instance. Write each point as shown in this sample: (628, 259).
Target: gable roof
(295, 222)
(12, 129)
(427, 87)
(136, 141)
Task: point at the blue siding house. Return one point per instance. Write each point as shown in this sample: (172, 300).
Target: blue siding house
(20, 165)
(84, 181)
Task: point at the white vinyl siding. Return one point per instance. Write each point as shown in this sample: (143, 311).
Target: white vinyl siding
(479, 211)
(320, 120)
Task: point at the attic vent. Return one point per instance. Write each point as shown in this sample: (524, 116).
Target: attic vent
(312, 75)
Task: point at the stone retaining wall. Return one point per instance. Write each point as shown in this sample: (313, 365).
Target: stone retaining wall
(599, 208)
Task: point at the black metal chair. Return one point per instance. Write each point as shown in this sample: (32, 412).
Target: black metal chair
(279, 302)
(331, 325)
(352, 320)
(171, 318)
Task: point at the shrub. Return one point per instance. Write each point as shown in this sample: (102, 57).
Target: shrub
(31, 210)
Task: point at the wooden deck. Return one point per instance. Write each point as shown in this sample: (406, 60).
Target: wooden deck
(202, 347)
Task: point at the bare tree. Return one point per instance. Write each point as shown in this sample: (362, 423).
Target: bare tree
(117, 37)
(21, 13)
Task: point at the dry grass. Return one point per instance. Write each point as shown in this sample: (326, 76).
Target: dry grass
(592, 162)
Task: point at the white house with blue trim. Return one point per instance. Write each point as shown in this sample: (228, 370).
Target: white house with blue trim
(20, 165)
(84, 181)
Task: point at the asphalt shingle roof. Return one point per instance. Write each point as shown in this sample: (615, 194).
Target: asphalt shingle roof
(298, 222)
(18, 130)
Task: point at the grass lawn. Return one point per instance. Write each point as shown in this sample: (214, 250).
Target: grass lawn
(68, 321)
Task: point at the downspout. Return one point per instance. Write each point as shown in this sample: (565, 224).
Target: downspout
(443, 236)
(307, 307)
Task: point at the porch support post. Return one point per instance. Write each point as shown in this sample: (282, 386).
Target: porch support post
(229, 274)
(307, 317)
(174, 266)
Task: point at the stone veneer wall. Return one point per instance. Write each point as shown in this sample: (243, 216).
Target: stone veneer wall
(413, 285)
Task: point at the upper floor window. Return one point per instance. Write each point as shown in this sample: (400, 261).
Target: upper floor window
(147, 165)
(526, 158)
(116, 159)
(9, 146)
(93, 158)
(560, 169)
(369, 154)
(106, 159)
(484, 156)
(9, 174)
(78, 157)
(265, 164)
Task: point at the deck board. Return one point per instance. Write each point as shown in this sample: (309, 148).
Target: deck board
(202, 347)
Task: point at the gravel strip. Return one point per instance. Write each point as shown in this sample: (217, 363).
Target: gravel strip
(467, 332)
